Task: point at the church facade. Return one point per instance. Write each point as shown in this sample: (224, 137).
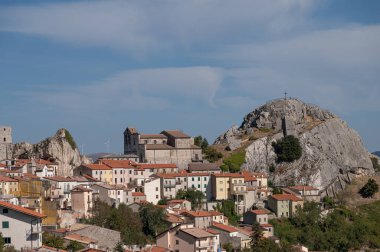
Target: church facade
(170, 146)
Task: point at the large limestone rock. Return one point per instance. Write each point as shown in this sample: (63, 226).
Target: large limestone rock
(56, 148)
(331, 149)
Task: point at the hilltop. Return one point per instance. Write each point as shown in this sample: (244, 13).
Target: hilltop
(332, 153)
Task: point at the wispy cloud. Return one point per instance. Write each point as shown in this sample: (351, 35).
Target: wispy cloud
(152, 89)
(143, 26)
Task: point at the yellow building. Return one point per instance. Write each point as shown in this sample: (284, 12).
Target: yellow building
(8, 185)
(101, 172)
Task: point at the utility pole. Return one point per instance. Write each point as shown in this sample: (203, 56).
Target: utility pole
(285, 104)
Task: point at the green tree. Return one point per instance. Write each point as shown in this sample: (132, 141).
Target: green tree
(209, 153)
(194, 196)
(53, 241)
(163, 201)
(227, 207)
(288, 149)
(369, 189)
(1, 242)
(74, 246)
(70, 139)
(228, 247)
(119, 247)
(153, 220)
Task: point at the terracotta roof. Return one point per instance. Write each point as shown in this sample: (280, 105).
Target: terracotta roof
(212, 231)
(303, 188)
(156, 166)
(118, 163)
(10, 171)
(96, 166)
(172, 218)
(44, 248)
(198, 213)
(175, 133)
(90, 178)
(80, 238)
(197, 174)
(7, 179)
(2, 165)
(215, 213)
(266, 225)
(203, 167)
(196, 232)
(151, 249)
(260, 211)
(60, 179)
(150, 136)
(285, 197)
(223, 227)
(248, 176)
(158, 147)
(176, 201)
(138, 194)
(21, 209)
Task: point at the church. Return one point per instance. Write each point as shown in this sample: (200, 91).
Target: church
(170, 146)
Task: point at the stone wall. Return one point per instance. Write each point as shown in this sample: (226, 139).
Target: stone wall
(5, 142)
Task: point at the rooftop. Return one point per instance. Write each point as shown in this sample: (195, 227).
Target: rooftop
(175, 133)
(223, 227)
(282, 197)
(80, 238)
(203, 167)
(60, 179)
(22, 209)
(96, 166)
(260, 211)
(197, 232)
(152, 136)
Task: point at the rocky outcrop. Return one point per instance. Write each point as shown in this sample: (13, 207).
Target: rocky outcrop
(58, 148)
(330, 147)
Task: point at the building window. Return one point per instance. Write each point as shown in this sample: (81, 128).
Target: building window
(192, 179)
(205, 179)
(199, 179)
(156, 189)
(220, 182)
(176, 242)
(204, 185)
(5, 210)
(199, 186)
(7, 240)
(5, 224)
(156, 196)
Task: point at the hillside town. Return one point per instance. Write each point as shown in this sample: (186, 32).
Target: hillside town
(154, 170)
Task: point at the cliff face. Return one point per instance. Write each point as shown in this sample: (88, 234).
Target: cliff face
(58, 148)
(330, 148)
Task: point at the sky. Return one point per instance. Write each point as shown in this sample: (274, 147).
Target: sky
(96, 67)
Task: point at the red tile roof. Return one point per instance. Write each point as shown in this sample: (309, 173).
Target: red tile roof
(7, 179)
(260, 211)
(118, 163)
(96, 166)
(175, 133)
(285, 197)
(21, 209)
(60, 179)
(223, 227)
(266, 225)
(198, 213)
(138, 194)
(229, 174)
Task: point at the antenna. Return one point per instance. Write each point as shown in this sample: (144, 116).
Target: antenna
(82, 149)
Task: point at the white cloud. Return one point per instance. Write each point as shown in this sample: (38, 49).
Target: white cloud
(152, 89)
(142, 26)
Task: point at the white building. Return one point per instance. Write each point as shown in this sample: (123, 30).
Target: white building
(20, 226)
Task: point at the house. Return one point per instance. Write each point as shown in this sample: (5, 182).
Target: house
(85, 241)
(61, 189)
(8, 185)
(111, 194)
(259, 216)
(284, 205)
(200, 219)
(218, 217)
(20, 227)
(180, 204)
(200, 181)
(307, 193)
(138, 197)
(45, 248)
(170, 146)
(238, 238)
(185, 237)
(98, 171)
(82, 201)
(203, 167)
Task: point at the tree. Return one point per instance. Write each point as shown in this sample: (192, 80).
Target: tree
(233, 162)
(227, 207)
(74, 246)
(1, 242)
(119, 247)
(163, 201)
(53, 241)
(210, 154)
(194, 196)
(288, 149)
(153, 220)
(228, 247)
(369, 189)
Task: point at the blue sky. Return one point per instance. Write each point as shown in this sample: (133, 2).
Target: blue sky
(95, 67)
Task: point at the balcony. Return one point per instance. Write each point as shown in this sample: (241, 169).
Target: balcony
(169, 186)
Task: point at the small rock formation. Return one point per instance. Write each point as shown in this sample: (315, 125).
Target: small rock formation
(56, 148)
(331, 149)
(231, 138)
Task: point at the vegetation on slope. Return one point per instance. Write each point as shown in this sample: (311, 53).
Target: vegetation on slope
(369, 189)
(375, 163)
(288, 149)
(209, 153)
(233, 162)
(70, 139)
(194, 196)
(339, 230)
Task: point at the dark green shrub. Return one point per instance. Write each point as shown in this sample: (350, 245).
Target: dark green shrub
(369, 189)
(287, 149)
(70, 139)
